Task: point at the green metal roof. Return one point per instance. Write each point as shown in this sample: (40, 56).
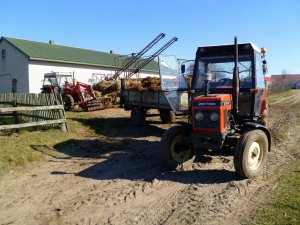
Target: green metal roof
(58, 53)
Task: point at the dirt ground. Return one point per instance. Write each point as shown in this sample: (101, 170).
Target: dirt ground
(126, 182)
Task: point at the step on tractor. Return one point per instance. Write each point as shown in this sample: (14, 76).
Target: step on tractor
(73, 92)
(227, 108)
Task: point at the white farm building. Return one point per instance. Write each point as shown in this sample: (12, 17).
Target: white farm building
(23, 64)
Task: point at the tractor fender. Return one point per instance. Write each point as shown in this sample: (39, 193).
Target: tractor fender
(187, 127)
(252, 125)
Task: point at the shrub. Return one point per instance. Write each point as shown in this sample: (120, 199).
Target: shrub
(278, 86)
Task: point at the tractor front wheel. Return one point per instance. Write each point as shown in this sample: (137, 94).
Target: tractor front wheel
(251, 153)
(68, 101)
(175, 153)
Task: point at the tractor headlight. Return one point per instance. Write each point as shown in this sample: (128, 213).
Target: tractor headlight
(214, 116)
(199, 116)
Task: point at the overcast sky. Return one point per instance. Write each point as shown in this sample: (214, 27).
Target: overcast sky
(126, 26)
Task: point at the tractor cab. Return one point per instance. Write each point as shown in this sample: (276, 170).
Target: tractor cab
(249, 86)
(56, 82)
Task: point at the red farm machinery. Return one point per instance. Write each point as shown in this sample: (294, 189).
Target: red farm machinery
(73, 92)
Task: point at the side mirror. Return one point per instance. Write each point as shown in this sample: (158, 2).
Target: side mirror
(264, 66)
(182, 68)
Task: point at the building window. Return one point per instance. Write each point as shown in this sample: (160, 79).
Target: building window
(3, 53)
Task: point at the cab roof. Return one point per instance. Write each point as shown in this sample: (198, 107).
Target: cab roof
(217, 50)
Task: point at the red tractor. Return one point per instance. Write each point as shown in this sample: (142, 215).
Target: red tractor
(227, 106)
(73, 92)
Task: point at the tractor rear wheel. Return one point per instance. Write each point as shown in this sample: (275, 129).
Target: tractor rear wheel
(251, 153)
(138, 116)
(166, 116)
(175, 153)
(68, 101)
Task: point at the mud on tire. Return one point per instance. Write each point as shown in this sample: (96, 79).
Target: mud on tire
(251, 153)
(176, 154)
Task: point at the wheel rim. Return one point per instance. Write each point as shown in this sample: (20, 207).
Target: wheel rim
(178, 151)
(255, 156)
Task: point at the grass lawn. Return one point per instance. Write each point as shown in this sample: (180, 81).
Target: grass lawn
(273, 97)
(284, 207)
(18, 147)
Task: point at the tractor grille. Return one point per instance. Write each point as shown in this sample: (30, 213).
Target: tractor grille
(206, 122)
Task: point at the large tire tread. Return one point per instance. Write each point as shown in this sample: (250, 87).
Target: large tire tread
(69, 103)
(165, 150)
(240, 162)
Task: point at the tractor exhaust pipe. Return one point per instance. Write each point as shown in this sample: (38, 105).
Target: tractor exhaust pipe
(206, 78)
(236, 80)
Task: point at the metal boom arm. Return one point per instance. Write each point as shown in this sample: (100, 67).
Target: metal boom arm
(133, 59)
(148, 60)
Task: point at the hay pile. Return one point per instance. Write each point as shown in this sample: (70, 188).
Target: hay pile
(146, 84)
(111, 88)
(151, 83)
(134, 84)
(100, 86)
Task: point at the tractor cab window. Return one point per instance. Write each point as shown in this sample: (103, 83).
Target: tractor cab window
(62, 79)
(221, 70)
(50, 81)
(259, 71)
(245, 74)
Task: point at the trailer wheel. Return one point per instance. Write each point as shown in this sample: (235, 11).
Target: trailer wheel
(176, 154)
(138, 116)
(166, 116)
(251, 153)
(68, 102)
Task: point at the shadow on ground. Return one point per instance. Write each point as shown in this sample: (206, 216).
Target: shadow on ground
(120, 127)
(94, 148)
(123, 152)
(133, 159)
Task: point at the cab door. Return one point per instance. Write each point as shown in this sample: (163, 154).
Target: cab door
(173, 84)
(260, 85)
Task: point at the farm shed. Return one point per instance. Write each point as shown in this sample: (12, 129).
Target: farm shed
(23, 64)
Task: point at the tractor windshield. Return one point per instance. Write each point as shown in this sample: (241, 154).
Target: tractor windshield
(61, 79)
(50, 81)
(221, 70)
(57, 80)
